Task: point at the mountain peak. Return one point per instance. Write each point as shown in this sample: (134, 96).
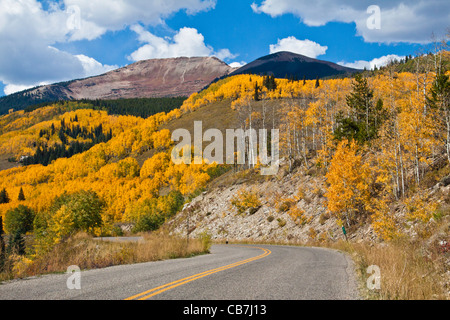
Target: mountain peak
(285, 63)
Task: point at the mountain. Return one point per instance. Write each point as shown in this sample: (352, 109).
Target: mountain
(174, 77)
(291, 65)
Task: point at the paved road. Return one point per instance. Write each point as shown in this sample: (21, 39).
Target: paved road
(230, 272)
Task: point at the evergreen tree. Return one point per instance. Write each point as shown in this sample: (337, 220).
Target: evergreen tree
(19, 220)
(317, 82)
(4, 198)
(21, 195)
(365, 119)
(16, 243)
(439, 99)
(256, 94)
(272, 83)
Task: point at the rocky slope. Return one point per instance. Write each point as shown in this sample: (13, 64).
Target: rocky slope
(152, 78)
(213, 212)
(304, 190)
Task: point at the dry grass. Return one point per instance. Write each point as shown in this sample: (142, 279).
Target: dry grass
(407, 272)
(87, 253)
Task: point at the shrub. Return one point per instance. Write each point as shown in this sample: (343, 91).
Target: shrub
(312, 233)
(205, 238)
(323, 218)
(150, 214)
(246, 200)
(298, 215)
(68, 214)
(19, 220)
(281, 222)
(81, 210)
(149, 222)
(286, 205)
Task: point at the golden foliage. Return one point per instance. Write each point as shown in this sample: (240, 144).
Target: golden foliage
(348, 178)
(246, 199)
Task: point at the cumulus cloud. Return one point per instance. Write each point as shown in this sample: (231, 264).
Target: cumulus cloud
(92, 67)
(12, 88)
(187, 42)
(237, 64)
(370, 65)
(225, 54)
(29, 33)
(411, 21)
(305, 47)
(97, 17)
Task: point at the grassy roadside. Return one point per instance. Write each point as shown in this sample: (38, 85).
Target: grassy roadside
(85, 252)
(408, 270)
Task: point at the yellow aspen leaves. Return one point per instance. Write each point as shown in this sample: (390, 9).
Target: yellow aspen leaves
(348, 179)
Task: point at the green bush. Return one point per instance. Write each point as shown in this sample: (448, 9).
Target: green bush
(84, 207)
(19, 220)
(205, 238)
(150, 214)
(149, 222)
(281, 222)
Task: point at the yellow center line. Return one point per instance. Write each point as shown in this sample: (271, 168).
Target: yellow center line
(155, 291)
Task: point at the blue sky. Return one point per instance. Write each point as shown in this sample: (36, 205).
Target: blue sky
(50, 41)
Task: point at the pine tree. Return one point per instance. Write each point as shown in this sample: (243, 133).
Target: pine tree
(4, 198)
(21, 195)
(256, 94)
(365, 118)
(272, 83)
(439, 99)
(16, 243)
(317, 82)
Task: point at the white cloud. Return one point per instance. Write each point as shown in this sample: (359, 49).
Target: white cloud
(187, 42)
(12, 88)
(305, 47)
(29, 33)
(237, 64)
(370, 65)
(99, 16)
(92, 67)
(411, 21)
(225, 54)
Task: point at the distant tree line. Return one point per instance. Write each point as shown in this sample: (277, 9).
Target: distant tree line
(139, 107)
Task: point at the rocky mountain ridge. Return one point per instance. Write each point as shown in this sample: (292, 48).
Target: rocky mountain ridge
(155, 78)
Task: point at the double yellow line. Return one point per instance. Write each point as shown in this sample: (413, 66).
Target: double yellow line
(155, 291)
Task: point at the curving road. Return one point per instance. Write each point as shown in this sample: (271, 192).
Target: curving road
(230, 272)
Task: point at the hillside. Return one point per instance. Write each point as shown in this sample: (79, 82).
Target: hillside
(290, 65)
(384, 177)
(177, 77)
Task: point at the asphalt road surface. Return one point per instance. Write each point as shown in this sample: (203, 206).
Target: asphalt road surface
(230, 272)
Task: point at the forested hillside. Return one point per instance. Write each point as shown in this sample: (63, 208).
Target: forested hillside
(378, 141)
